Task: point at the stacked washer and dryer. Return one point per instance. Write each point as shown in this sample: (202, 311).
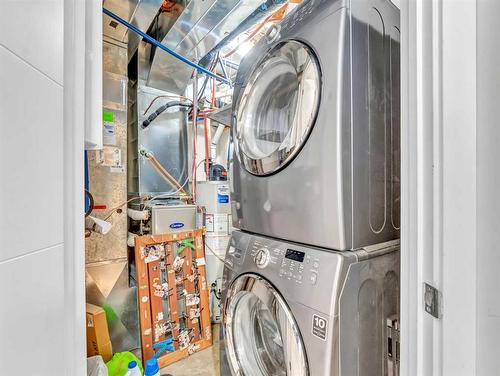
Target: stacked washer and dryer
(311, 278)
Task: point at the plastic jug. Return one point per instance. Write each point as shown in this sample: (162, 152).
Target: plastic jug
(133, 369)
(152, 368)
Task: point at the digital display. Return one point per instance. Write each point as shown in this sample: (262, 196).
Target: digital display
(295, 255)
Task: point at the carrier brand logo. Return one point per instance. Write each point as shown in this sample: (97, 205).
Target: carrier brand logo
(177, 225)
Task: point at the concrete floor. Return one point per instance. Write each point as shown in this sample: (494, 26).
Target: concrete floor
(203, 363)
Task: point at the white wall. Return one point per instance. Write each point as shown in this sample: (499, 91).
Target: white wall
(458, 174)
(33, 254)
(488, 188)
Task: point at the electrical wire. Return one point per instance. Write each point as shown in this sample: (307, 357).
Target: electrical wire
(167, 195)
(167, 96)
(112, 211)
(219, 258)
(200, 162)
(213, 64)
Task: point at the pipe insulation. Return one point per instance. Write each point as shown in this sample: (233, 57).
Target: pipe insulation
(162, 109)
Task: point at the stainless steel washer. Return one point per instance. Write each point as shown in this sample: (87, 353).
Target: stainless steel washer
(316, 127)
(291, 310)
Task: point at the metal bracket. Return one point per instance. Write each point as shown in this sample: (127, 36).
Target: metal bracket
(393, 345)
(432, 301)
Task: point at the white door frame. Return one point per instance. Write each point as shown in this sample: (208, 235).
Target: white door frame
(74, 249)
(438, 185)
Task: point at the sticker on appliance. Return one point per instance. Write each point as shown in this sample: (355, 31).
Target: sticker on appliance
(109, 128)
(221, 224)
(319, 327)
(209, 222)
(223, 194)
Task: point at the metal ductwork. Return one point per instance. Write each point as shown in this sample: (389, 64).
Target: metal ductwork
(140, 13)
(201, 27)
(167, 137)
(222, 115)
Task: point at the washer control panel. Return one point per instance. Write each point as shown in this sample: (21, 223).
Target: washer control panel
(262, 258)
(299, 267)
(293, 264)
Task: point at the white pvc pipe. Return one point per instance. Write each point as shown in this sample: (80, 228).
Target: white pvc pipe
(93, 75)
(215, 141)
(138, 215)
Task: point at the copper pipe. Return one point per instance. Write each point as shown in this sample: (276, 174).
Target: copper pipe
(195, 122)
(207, 160)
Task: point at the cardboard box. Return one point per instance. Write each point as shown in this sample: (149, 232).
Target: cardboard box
(98, 341)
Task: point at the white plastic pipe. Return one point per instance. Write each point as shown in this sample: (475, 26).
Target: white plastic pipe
(131, 239)
(215, 141)
(93, 75)
(98, 225)
(138, 215)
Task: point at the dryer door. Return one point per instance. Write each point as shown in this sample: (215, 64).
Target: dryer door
(263, 338)
(277, 108)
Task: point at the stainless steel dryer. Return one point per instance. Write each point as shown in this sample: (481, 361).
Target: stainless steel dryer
(291, 310)
(316, 127)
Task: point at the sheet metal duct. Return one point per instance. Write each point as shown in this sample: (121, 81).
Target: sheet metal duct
(201, 27)
(138, 12)
(167, 137)
(222, 115)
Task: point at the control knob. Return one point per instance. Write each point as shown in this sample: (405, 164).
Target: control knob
(262, 258)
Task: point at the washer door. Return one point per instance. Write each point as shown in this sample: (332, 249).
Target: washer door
(277, 108)
(262, 336)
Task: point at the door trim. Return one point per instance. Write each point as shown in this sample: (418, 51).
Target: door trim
(74, 250)
(438, 188)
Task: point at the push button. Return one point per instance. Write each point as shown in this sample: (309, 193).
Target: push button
(313, 278)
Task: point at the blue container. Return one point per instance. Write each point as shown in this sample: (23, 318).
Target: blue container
(152, 368)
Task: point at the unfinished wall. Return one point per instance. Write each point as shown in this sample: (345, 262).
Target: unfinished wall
(107, 272)
(108, 177)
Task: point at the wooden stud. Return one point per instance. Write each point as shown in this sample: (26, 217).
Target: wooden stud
(143, 301)
(156, 301)
(172, 299)
(189, 286)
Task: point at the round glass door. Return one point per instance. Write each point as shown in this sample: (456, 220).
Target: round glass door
(277, 108)
(262, 336)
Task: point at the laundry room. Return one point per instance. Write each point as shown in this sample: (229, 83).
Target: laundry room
(249, 188)
(196, 260)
